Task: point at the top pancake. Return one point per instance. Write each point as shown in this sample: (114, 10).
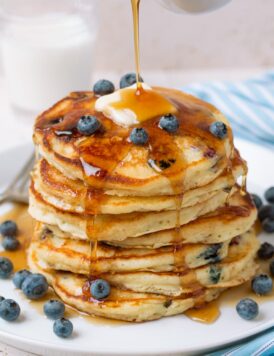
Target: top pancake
(169, 164)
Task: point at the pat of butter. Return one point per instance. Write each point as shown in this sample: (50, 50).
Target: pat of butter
(127, 108)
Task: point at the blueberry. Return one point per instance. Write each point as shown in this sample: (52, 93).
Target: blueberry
(88, 125)
(63, 327)
(266, 251)
(35, 286)
(266, 211)
(9, 310)
(10, 243)
(218, 129)
(261, 284)
(100, 289)
(269, 195)
(139, 136)
(6, 267)
(271, 268)
(8, 228)
(247, 309)
(1, 299)
(54, 309)
(169, 123)
(268, 225)
(103, 87)
(19, 277)
(257, 200)
(129, 79)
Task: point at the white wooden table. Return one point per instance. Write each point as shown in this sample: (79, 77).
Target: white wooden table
(15, 129)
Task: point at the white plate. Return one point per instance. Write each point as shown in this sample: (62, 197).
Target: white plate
(173, 335)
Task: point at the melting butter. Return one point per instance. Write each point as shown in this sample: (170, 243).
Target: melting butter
(131, 106)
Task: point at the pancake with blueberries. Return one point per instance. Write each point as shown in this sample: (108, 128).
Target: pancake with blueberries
(167, 163)
(126, 305)
(137, 208)
(70, 195)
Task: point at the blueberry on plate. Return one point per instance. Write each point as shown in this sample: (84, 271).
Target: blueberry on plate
(218, 129)
(10, 243)
(139, 136)
(247, 309)
(9, 310)
(88, 125)
(271, 268)
(261, 284)
(8, 228)
(129, 79)
(269, 195)
(103, 87)
(257, 201)
(100, 289)
(169, 123)
(268, 225)
(6, 267)
(35, 286)
(266, 251)
(1, 298)
(63, 328)
(266, 211)
(19, 277)
(54, 309)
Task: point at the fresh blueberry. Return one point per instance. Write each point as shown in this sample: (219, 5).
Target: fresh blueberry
(266, 211)
(63, 328)
(8, 228)
(10, 243)
(139, 136)
(88, 125)
(19, 277)
(247, 309)
(218, 129)
(128, 79)
(266, 251)
(6, 267)
(1, 298)
(54, 309)
(257, 200)
(100, 289)
(103, 87)
(268, 225)
(261, 284)
(271, 268)
(35, 286)
(269, 195)
(9, 310)
(169, 123)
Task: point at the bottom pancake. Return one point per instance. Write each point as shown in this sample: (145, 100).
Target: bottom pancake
(124, 305)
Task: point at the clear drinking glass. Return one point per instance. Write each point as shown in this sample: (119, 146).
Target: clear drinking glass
(47, 49)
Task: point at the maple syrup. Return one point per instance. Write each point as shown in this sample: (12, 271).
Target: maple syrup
(19, 214)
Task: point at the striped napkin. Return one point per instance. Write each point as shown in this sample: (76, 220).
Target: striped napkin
(249, 106)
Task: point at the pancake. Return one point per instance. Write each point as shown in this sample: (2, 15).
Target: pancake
(71, 195)
(220, 225)
(124, 305)
(191, 158)
(146, 271)
(75, 255)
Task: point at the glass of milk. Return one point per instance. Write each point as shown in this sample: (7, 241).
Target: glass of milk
(47, 49)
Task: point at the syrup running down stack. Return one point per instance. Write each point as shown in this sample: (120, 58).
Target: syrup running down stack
(135, 196)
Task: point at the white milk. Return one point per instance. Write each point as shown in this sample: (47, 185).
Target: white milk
(47, 57)
(193, 6)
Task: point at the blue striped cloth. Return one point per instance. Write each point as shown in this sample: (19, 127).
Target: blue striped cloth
(249, 106)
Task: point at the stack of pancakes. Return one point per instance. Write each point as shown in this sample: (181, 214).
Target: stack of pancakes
(165, 223)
